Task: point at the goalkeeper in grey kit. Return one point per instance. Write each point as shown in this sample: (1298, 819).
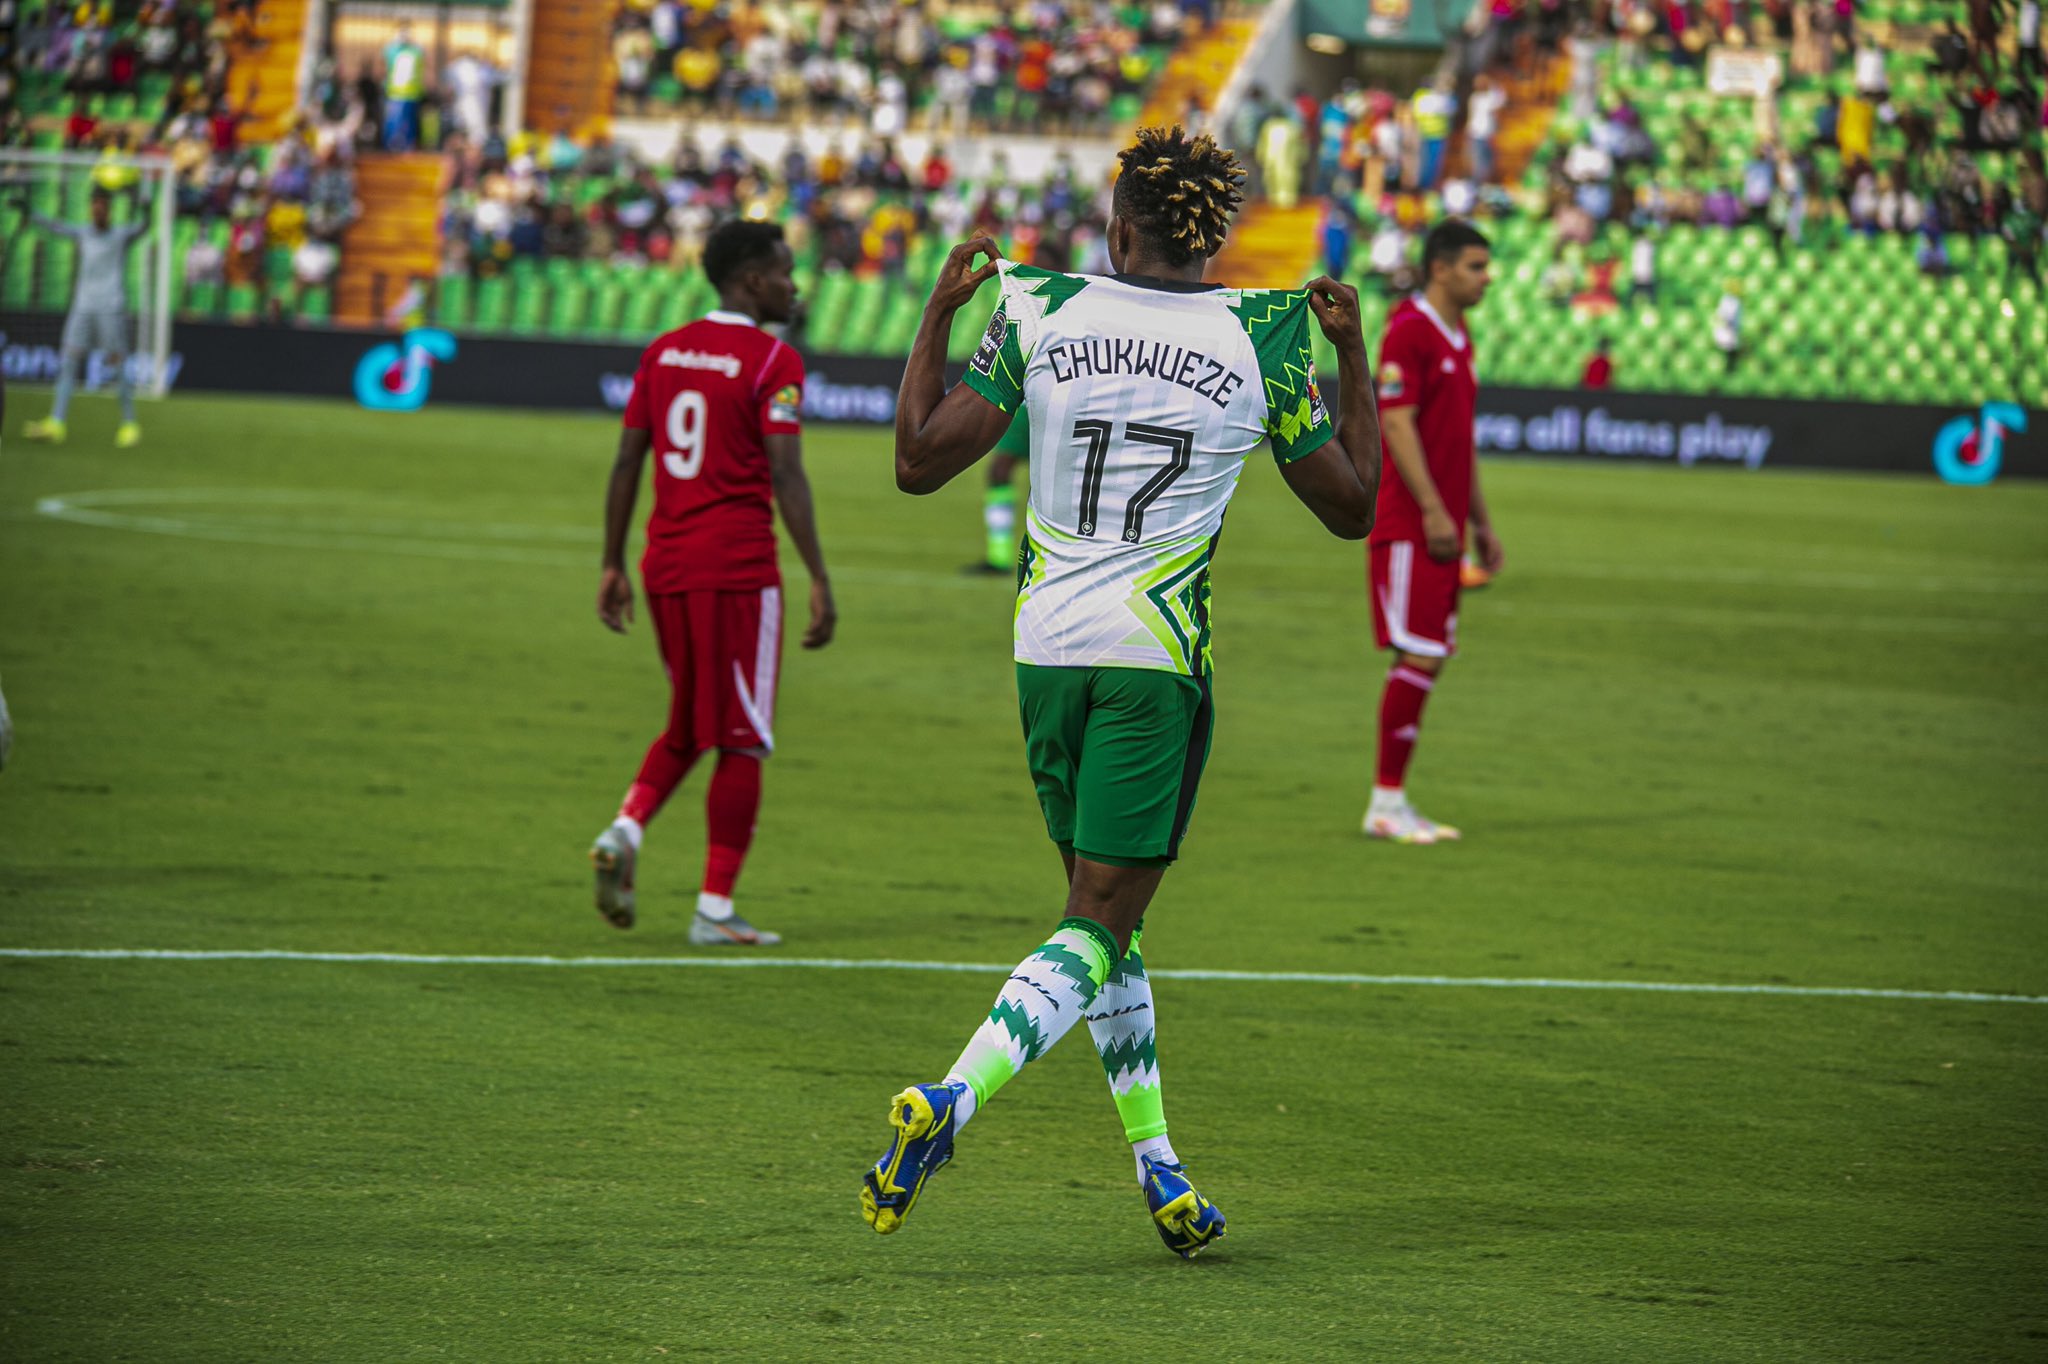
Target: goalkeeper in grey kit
(99, 319)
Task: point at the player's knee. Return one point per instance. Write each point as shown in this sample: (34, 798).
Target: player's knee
(1422, 663)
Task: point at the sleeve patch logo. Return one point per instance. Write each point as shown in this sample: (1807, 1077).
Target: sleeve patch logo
(787, 404)
(984, 361)
(1392, 382)
(1318, 415)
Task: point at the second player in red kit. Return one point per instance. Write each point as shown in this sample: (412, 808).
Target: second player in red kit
(1428, 397)
(717, 402)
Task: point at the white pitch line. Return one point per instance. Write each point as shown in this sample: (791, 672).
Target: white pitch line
(991, 968)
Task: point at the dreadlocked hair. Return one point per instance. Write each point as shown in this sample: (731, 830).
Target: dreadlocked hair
(1179, 192)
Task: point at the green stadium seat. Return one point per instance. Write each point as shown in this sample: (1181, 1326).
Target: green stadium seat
(568, 306)
(493, 304)
(607, 303)
(529, 304)
(452, 301)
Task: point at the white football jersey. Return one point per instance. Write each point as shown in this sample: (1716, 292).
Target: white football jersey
(1144, 397)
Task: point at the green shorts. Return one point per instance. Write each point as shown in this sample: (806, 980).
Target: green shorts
(1116, 754)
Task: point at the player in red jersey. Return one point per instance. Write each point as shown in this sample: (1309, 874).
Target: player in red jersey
(717, 402)
(1428, 400)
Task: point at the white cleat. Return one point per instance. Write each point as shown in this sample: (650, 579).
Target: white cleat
(613, 858)
(1440, 833)
(1400, 824)
(732, 932)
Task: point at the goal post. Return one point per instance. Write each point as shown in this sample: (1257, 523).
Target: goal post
(37, 266)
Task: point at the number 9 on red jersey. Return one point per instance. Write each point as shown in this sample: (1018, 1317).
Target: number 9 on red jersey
(709, 395)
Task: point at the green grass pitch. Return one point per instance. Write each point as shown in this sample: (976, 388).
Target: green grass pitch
(296, 676)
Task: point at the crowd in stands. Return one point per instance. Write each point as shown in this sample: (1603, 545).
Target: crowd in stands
(868, 211)
(1063, 65)
(1874, 121)
(260, 223)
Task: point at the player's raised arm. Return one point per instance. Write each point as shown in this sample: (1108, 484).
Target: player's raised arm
(793, 500)
(1338, 479)
(615, 586)
(938, 434)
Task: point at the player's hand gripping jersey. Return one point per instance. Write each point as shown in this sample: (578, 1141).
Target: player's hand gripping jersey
(1145, 399)
(710, 394)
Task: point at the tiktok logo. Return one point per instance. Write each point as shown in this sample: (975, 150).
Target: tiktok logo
(1969, 450)
(394, 377)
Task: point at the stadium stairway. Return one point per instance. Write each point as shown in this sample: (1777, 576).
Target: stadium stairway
(268, 71)
(398, 238)
(569, 81)
(1270, 247)
(1198, 69)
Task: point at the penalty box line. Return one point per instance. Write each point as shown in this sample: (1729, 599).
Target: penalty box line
(990, 968)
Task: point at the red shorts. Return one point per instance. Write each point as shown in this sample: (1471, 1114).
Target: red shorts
(1414, 600)
(722, 651)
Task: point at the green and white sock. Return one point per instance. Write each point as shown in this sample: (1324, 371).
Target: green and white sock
(1047, 994)
(999, 519)
(1122, 1024)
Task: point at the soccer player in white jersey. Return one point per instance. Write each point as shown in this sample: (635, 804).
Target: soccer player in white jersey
(1147, 392)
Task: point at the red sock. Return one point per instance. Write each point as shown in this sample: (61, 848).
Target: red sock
(729, 811)
(661, 772)
(1400, 717)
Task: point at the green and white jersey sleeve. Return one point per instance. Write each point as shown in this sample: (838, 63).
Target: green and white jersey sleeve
(1144, 401)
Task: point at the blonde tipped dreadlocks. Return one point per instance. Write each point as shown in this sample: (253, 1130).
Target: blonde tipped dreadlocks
(1179, 192)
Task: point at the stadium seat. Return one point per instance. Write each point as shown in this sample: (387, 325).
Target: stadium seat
(452, 302)
(493, 302)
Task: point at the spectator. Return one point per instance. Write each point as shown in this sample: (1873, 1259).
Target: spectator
(205, 262)
(1388, 253)
(331, 204)
(1642, 271)
(633, 54)
(1759, 178)
(1951, 52)
(470, 79)
(405, 85)
(1482, 126)
(1280, 159)
(313, 266)
(1871, 81)
(81, 129)
(1434, 106)
(2022, 230)
(1727, 328)
(1336, 238)
(1599, 372)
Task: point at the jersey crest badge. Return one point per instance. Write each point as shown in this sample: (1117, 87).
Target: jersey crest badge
(1393, 384)
(787, 404)
(1318, 415)
(984, 361)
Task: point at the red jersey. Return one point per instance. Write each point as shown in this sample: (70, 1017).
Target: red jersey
(711, 393)
(1427, 366)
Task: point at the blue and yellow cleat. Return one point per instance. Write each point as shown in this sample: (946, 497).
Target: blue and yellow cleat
(923, 1118)
(1187, 1221)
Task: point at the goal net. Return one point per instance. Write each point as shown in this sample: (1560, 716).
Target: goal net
(45, 194)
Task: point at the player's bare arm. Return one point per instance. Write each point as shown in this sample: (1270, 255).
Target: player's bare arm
(615, 587)
(793, 500)
(1340, 482)
(1484, 542)
(1404, 443)
(940, 434)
